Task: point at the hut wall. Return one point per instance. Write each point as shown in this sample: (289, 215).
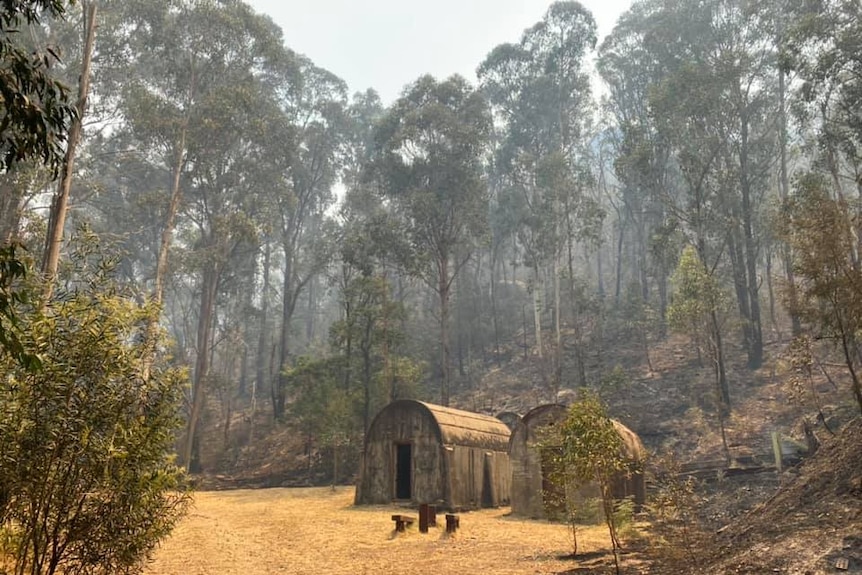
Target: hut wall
(401, 426)
(480, 478)
(528, 478)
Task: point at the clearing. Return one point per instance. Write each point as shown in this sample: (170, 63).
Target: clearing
(318, 530)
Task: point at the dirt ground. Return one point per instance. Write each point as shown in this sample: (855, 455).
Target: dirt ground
(317, 530)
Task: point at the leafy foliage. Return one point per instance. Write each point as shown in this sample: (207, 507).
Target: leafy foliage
(13, 272)
(680, 537)
(824, 235)
(585, 449)
(696, 295)
(428, 160)
(35, 108)
(699, 303)
(321, 406)
(87, 477)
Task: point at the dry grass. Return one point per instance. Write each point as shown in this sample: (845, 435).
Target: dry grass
(317, 530)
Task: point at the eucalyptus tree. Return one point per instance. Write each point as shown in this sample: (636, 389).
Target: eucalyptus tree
(226, 137)
(126, 204)
(162, 57)
(642, 163)
(167, 60)
(59, 203)
(686, 111)
(427, 159)
(823, 47)
(720, 81)
(746, 47)
(821, 220)
(540, 92)
(822, 231)
(314, 102)
(368, 316)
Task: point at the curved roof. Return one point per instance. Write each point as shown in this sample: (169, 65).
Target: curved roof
(458, 427)
(553, 412)
(632, 446)
(544, 414)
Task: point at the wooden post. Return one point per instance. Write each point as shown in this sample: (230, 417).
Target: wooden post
(423, 518)
(776, 449)
(453, 522)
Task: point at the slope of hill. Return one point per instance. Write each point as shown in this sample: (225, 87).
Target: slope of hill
(811, 524)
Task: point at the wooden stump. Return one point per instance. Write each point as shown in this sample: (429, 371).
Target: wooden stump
(427, 517)
(402, 522)
(453, 522)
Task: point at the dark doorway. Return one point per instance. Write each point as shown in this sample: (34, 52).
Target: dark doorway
(403, 471)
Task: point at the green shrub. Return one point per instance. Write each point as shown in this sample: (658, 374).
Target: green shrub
(87, 480)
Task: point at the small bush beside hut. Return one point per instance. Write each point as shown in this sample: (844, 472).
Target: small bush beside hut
(533, 486)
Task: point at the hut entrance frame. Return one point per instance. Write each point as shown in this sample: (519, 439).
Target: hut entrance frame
(403, 471)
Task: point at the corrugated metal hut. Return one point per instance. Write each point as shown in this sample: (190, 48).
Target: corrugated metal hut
(530, 482)
(425, 453)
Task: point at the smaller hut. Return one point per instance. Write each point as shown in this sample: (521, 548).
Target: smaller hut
(423, 453)
(530, 470)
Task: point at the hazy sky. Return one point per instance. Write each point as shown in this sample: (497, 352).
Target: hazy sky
(386, 44)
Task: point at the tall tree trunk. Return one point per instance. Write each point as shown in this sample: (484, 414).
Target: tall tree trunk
(537, 309)
(443, 292)
(494, 311)
(643, 271)
(263, 333)
(157, 295)
(460, 335)
(367, 342)
(662, 302)
(558, 334)
(740, 285)
(755, 349)
(202, 363)
(580, 360)
(600, 272)
(288, 304)
(784, 185)
(246, 328)
(59, 205)
(618, 287)
(170, 218)
(770, 289)
(388, 380)
(312, 310)
(348, 339)
(720, 369)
